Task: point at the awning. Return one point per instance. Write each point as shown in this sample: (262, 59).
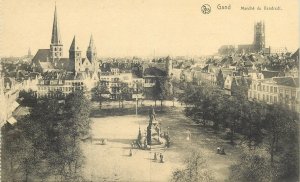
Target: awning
(12, 120)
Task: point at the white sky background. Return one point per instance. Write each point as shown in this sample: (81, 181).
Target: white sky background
(138, 27)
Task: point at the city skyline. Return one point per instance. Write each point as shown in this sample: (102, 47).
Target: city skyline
(140, 28)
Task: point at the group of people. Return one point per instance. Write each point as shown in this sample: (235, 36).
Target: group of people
(161, 156)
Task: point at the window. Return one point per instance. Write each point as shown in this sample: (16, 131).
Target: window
(271, 98)
(271, 89)
(275, 89)
(268, 98)
(263, 97)
(275, 99)
(254, 86)
(267, 88)
(287, 92)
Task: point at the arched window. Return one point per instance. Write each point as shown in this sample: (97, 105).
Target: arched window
(55, 49)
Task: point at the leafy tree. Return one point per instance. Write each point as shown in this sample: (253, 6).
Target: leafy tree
(252, 167)
(47, 142)
(195, 170)
(98, 93)
(280, 122)
(157, 90)
(125, 93)
(18, 156)
(28, 98)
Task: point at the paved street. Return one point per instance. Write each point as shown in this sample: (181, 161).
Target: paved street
(111, 162)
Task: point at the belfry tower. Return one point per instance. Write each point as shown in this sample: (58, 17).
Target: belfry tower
(56, 46)
(259, 36)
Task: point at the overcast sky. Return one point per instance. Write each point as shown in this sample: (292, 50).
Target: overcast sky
(138, 27)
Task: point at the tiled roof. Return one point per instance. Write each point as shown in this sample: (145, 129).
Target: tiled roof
(296, 55)
(153, 71)
(287, 81)
(46, 65)
(270, 74)
(41, 55)
(63, 63)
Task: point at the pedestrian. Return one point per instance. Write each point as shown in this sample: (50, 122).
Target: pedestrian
(130, 152)
(155, 156)
(218, 150)
(162, 159)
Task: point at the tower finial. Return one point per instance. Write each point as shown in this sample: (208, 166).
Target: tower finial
(56, 39)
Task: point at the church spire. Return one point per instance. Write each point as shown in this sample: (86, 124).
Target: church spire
(56, 39)
(56, 46)
(91, 52)
(74, 46)
(91, 45)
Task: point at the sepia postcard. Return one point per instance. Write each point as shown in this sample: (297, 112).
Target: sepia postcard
(149, 90)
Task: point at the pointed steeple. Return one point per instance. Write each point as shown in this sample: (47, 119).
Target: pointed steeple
(74, 56)
(74, 45)
(56, 39)
(91, 45)
(91, 52)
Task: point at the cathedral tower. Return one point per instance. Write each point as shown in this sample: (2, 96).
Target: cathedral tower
(56, 46)
(75, 56)
(259, 36)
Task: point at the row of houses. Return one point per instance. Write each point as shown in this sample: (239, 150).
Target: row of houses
(47, 83)
(9, 93)
(284, 90)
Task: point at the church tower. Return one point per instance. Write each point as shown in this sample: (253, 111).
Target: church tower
(75, 56)
(259, 36)
(56, 46)
(91, 54)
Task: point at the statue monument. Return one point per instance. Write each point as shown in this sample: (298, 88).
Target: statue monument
(153, 135)
(153, 129)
